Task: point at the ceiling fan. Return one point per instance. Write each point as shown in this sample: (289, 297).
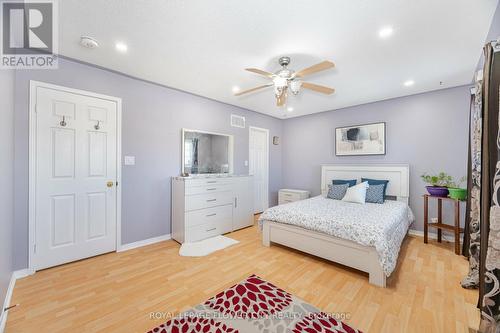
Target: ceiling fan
(286, 80)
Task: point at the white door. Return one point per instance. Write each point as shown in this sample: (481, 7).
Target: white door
(259, 167)
(76, 174)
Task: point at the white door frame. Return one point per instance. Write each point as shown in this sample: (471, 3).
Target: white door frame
(250, 128)
(32, 161)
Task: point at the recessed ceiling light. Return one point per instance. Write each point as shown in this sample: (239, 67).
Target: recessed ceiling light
(236, 89)
(121, 47)
(409, 83)
(289, 109)
(385, 32)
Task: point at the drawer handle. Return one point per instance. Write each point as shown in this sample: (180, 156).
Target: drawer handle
(211, 189)
(211, 214)
(211, 182)
(212, 229)
(211, 200)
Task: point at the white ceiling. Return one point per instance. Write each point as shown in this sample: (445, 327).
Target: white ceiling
(202, 46)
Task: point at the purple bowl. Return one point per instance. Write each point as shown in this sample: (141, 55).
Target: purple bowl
(437, 191)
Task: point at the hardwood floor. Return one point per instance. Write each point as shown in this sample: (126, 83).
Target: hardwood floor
(117, 292)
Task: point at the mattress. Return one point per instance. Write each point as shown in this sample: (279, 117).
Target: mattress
(382, 226)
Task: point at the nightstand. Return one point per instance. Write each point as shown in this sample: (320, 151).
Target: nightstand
(440, 225)
(289, 195)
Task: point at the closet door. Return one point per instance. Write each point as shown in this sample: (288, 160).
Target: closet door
(259, 167)
(76, 173)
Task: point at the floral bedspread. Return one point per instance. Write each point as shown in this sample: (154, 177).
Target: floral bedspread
(383, 226)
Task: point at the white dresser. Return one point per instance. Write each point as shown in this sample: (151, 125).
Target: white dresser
(288, 195)
(204, 207)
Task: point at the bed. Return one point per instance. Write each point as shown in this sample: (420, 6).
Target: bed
(366, 237)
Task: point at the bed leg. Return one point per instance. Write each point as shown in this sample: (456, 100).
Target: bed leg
(266, 233)
(377, 277)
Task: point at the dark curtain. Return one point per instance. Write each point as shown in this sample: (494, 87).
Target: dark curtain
(466, 242)
(489, 265)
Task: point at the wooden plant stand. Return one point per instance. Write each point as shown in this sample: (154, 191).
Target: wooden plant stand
(440, 225)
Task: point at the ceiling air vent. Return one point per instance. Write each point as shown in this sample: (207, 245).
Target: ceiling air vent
(237, 121)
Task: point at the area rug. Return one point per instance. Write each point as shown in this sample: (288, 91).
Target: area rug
(255, 305)
(206, 246)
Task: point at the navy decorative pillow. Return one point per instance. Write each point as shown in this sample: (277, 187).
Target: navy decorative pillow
(351, 182)
(375, 194)
(376, 182)
(337, 192)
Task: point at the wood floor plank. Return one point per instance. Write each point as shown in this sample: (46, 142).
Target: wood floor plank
(136, 290)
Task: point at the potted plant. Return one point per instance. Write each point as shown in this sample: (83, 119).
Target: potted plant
(456, 191)
(437, 183)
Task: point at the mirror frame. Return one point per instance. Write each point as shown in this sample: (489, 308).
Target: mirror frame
(230, 152)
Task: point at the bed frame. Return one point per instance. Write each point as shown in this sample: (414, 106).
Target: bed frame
(345, 252)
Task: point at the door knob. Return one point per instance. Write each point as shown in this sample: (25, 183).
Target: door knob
(109, 184)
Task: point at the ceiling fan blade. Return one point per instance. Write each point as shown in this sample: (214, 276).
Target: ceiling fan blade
(318, 88)
(315, 68)
(260, 71)
(253, 89)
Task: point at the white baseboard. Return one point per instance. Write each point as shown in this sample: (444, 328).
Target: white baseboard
(8, 296)
(433, 235)
(149, 241)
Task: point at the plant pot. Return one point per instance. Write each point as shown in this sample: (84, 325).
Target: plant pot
(437, 191)
(458, 193)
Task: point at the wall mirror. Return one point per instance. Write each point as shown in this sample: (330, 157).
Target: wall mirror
(206, 152)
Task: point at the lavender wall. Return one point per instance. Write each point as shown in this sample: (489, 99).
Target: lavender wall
(493, 33)
(427, 131)
(6, 179)
(152, 120)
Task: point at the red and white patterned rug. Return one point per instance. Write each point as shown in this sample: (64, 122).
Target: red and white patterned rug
(254, 305)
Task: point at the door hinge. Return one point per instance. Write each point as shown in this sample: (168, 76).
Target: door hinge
(116, 183)
(36, 108)
(34, 248)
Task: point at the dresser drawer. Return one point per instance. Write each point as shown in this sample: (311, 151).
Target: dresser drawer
(207, 200)
(212, 188)
(203, 216)
(207, 230)
(289, 196)
(208, 182)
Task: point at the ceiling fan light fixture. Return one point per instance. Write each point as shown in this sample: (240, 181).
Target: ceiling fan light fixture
(295, 86)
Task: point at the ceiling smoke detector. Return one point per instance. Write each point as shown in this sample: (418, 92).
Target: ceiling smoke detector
(88, 42)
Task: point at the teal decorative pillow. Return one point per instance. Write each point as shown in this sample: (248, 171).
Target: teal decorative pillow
(375, 194)
(350, 182)
(376, 182)
(337, 192)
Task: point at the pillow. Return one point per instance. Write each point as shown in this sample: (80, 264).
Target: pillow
(351, 182)
(356, 193)
(375, 194)
(376, 182)
(337, 192)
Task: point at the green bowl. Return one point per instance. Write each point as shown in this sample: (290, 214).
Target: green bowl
(458, 193)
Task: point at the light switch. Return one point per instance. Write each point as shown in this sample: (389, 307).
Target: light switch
(129, 160)
(246, 163)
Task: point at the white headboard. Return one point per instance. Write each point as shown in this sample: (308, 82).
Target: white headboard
(398, 176)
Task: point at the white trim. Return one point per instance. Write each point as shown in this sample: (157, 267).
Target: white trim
(8, 296)
(433, 235)
(144, 242)
(268, 162)
(32, 160)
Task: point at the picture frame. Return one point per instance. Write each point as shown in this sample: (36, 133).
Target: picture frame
(361, 140)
